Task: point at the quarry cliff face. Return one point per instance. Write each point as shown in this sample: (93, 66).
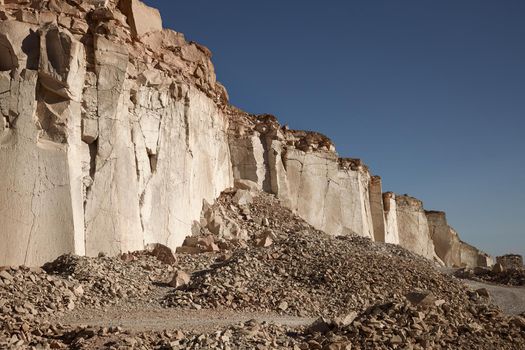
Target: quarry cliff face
(114, 131)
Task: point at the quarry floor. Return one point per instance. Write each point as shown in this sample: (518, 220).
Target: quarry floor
(152, 317)
(510, 299)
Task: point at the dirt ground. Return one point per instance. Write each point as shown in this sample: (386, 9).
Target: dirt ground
(151, 317)
(159, 319)
(510, 299)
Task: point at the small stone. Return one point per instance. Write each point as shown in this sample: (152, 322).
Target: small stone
(483, 292)
(180, 279)
(6, 275)
(396, 339)
(439, 302)
(347, 320)
(423, 299)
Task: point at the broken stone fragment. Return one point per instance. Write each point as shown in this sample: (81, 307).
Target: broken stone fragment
(247, 185)
(163, 254)
(180, 279)
(190, 241)
(422, 299)
(207, 244)
(345, 321)
(321, 325)
(483, 292)
(6, 275)
(283, 306)
(243, 197)
(265, 240)
(89, 130)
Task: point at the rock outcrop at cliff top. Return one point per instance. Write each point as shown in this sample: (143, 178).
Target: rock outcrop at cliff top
(113, 131)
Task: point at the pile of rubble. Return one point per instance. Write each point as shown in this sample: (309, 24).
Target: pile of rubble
(420, 322)
(287, 266)
(497, 274)
(251, 254)
(26, 296)
(109, 280)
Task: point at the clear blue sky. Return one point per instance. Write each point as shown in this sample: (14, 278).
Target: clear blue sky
(430, 94)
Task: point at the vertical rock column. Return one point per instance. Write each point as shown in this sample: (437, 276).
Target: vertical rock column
(377, 209)
(414, 233)
(112, 210)
(247, 152)
(390, 210)
(41, 85)
(446, 240)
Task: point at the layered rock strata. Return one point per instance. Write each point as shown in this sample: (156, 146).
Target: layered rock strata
(113, 131)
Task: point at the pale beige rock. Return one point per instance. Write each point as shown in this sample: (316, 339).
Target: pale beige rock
(445, 239)
(472, 257)
(113, 223)
(141, 18)
(180, 279)
(38, 211)
(89, 130)
(246, 185)
(247, 157)
(265, 240)
(413, 228)
(242, 197)
(391, 227)
(165, 39)
(330, 198)
(346, 320)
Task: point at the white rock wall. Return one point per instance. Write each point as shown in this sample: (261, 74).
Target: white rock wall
(446, 240)
(98, 161)
(391, 226)
(312, 184)
(413, 229)
(39, 105)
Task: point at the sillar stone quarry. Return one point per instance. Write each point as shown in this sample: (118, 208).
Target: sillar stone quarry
(148, 198)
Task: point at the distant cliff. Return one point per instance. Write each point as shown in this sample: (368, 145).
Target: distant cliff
(113, 131)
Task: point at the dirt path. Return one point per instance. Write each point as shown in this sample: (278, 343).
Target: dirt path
(159, 319)
(510, 299)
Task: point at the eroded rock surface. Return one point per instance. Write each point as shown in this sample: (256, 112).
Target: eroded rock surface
(113, 131)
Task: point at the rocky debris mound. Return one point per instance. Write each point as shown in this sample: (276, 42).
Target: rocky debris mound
(109, 280)
(26, 295)
(420, 325)
(368, 295)
(511, 261)
(498, 274)
(286, 266)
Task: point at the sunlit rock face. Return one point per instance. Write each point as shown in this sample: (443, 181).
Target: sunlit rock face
(413, 229)
(114, 132)
(100, 150)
